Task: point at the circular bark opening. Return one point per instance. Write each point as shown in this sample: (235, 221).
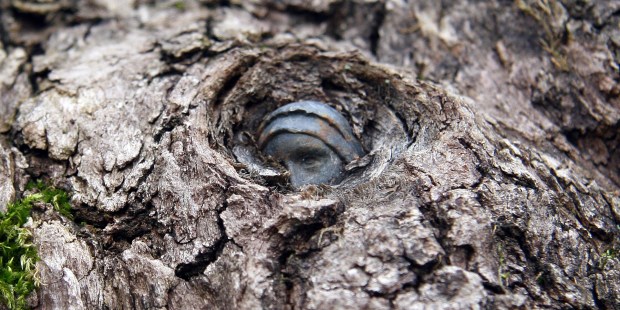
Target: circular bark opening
(362, 95)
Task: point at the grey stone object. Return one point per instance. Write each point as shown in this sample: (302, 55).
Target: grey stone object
(312, 139)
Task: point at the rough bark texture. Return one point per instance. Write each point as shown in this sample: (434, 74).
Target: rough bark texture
(492, 127)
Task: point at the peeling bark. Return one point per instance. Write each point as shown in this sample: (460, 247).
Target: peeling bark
(495, 186)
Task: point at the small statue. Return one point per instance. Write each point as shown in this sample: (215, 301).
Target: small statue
(312, 139)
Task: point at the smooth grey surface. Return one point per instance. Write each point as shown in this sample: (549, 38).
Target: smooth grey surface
(313, 118)
(309, 160)
(312, 139)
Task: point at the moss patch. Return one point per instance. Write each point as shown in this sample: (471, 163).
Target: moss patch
(548, 14)
(18, 256)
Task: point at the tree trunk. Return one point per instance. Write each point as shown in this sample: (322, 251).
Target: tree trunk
(492, 178)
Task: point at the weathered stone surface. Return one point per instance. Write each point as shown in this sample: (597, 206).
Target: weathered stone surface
(496, 187)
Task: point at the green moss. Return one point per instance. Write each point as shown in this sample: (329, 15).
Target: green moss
(547, 13)
(541, 279)
(502, 274)
(18, 256)
(56, 197)
(180, 5)
(608, 255)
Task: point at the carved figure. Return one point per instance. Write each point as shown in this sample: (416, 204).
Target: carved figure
(312, 139)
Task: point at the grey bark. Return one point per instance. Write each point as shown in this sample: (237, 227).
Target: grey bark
(492, 179)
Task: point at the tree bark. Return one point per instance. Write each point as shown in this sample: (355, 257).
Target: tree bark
(492, 178)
